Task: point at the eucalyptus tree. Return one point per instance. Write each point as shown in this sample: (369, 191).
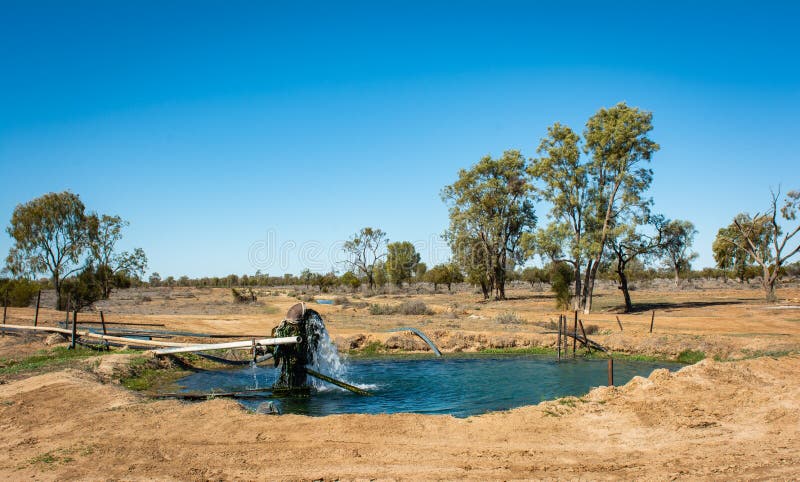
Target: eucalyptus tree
(365, 249)
(677, 238)
(617, 141)
(628, 243)
(104, 233)
(730, 257)
(782, 244)
(401, 261)
(561, 179)
(490, 203)
(50, 235)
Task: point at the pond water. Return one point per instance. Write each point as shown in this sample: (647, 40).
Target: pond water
(457, 386)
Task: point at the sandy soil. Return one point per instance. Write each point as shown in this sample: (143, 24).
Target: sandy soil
(711, 420)
(717, 420)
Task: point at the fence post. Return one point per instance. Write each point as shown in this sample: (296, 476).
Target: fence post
(36, 315)
(74, 327)
(5, 310)
(619, 323)
(575, 334)
(560, 322)
(103, 322)
(652, 319)
(610, 372)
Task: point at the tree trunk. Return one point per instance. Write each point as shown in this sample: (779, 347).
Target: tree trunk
(623, 285)
(576, 300)
(57, 285)
(769, 290)
(768, 281)
(584, 291)
(587, 307)
(677, 276)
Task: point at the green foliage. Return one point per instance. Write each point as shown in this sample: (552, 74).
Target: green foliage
(350, 280)
(325, 281)
(84, 289)
(490, 204)
(419, 271)
(113, 267)
(560, 280)
(57, 357)
(401, 261)
(535, 275)
(406, 308)
(50, 233)
(676, 240)
(380, 277)
(731, 257)
(443, 274)
(19, 292)
(690, 356)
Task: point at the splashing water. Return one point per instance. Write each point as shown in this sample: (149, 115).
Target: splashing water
(324, 357)
(253, 367)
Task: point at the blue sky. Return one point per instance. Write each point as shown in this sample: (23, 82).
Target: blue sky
(243, 135)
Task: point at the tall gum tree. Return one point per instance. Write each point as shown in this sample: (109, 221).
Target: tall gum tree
(561, 179)
(50, 235)
(618, 143)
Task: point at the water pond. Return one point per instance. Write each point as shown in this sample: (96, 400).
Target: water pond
(457, 386)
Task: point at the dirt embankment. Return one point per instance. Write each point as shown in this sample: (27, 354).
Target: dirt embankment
(719, 420)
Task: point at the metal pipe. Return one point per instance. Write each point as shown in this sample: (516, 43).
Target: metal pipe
(288, 340)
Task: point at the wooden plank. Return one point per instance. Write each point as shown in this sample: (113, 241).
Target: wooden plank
(652, 320)
(619, 323)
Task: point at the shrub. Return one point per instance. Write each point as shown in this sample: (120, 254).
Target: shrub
(404, 308)
(414, 308)
(243, 297)
(691, 356)
(591, 329)
(341, 300)
(376, 309)
(561, 277)
(20, 291)
(509, 318)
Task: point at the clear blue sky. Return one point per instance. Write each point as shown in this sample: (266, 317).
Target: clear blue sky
(214, 127)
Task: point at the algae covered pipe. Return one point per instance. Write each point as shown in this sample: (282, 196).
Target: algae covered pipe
(338, 383)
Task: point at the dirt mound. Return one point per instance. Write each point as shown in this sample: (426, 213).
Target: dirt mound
(720, 420)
